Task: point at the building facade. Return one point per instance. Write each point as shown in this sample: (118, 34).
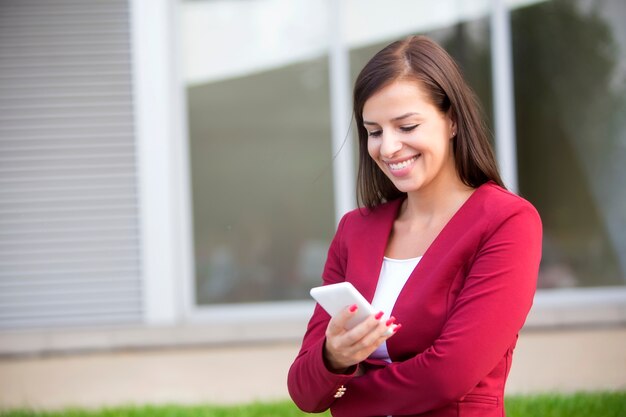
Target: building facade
(166, 164)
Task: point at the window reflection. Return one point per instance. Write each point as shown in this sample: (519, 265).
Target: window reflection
(260, 147)
(262, 183)
(261, 155)
(570, 65)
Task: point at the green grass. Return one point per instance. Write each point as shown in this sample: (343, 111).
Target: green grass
(608, 404)
(278, 409)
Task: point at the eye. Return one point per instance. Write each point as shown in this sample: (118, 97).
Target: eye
(375, 133)
(408, 128)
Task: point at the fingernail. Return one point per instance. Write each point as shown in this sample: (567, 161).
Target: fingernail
(391, 320)
(353, 308)
(379, 315)
(395, 329)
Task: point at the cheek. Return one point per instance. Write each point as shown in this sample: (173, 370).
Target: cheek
(372, 149)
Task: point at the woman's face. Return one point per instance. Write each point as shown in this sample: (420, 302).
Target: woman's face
(408, 137)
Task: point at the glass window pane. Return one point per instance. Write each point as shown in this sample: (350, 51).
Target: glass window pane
(261, 157)
(570, 71)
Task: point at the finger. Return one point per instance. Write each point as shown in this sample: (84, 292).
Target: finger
(363, 348)
(391, 327)
(337, 324)
(379, 334)
(361, 330)
(385, 330)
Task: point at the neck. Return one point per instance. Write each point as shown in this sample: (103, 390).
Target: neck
(438, 200)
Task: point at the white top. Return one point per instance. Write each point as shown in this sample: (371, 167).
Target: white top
(393, 275)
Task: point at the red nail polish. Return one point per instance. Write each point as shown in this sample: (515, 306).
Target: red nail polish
(379, 315)
(391, 320)
(395, 329)
(353, 308)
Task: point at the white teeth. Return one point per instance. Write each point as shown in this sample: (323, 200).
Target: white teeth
(402, 164)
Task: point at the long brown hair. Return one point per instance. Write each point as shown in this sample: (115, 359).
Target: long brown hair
(421, 59)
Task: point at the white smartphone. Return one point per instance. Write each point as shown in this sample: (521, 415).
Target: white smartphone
(335, 297)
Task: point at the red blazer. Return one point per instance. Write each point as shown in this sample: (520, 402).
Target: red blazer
(461, 311)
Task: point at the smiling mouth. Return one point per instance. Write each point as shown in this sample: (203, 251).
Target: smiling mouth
(401, 165)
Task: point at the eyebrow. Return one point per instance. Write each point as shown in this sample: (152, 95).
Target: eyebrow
(395, 119)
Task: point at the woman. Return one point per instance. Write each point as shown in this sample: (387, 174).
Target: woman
(440, 245)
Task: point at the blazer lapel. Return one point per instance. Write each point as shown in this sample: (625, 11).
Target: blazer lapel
(371, 250)
(440, 247)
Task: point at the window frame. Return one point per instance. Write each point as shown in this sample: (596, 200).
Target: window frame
(170, 280)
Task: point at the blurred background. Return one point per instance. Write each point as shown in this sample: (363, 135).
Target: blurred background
(171, 174)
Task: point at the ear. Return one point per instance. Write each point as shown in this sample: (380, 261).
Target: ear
(452, 125)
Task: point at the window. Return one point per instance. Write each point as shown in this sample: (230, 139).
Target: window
(259, 128)
(570, 72)
(260, 147)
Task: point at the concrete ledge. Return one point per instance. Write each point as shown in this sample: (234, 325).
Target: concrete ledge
(286, 322)
(576, 307)
(558, 361)
(26, 343)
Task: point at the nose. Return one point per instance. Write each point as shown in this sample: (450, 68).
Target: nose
(390, 144)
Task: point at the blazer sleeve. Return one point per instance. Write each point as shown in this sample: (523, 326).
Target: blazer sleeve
(311, 385)
(482, 325)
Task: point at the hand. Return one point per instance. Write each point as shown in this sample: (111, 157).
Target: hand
(345, 348)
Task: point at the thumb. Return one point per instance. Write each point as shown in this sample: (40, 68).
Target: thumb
(338, 323)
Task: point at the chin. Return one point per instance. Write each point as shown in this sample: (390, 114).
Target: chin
(407, 188)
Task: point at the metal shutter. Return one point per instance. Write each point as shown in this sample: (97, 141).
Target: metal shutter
(69, 238)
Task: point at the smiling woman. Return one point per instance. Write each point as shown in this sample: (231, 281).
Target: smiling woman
(441, 249)
(424, 94)
(413, 149)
